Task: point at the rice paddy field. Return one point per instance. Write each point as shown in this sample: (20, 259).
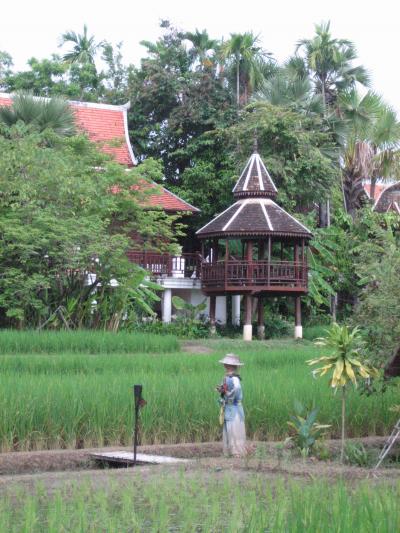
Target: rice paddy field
(75, 390)
(185, 504)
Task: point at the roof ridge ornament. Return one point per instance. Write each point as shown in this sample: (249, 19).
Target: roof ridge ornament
(255, 180)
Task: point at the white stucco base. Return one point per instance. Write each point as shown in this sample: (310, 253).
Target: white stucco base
(298, 332)
(247, 332)
(261, 332)
(166, 306)
(236, 310)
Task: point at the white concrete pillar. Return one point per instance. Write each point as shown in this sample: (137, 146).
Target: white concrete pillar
(220, 310)
(298, 332)
(236, 310)
(166, 306)
(247, 332)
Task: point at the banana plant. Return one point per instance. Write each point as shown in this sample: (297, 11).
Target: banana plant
(190, 311)
(346, 363)
(305, 427)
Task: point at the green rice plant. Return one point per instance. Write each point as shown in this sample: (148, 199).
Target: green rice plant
(84, 341)
(184, 502)
(73, 399)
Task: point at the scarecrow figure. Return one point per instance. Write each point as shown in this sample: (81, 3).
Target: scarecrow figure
(232, 414)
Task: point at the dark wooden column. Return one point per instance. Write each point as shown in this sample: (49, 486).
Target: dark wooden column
(248, 311)
(213, 301)
(298, 330)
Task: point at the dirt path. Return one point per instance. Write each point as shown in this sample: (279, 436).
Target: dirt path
(61, 468)
(196, 347)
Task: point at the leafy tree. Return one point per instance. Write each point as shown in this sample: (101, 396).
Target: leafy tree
(46, 77)
(378, 309)
(40, 114)
(173, 103)
(346, 362)
(295, 150)
(116, 75)
(64, 234)
(6, 63)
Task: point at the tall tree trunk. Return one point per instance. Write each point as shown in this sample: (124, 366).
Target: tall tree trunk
(372, 189)
(343, 424)
(237, 82)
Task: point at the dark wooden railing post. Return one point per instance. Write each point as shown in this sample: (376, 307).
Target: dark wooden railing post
(248, 311)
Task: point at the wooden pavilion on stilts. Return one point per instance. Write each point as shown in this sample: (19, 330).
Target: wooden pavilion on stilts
(254, 250)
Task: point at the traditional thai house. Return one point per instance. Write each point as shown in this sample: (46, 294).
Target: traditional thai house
(254, 249)
(107, 126)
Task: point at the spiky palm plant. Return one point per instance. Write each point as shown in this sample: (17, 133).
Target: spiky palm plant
(40, 113)
(346, 363)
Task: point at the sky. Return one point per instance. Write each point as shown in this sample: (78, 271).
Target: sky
(30, 28)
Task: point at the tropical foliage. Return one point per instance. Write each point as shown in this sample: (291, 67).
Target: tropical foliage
(346, 363)
(64, 236)
(197, 103)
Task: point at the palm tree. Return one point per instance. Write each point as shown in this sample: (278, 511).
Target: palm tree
(370, 147)
(291, 91)
(329, 63)
(40, 113)
(203, 48)
(84, 47)
(249, 62)
(345, 361)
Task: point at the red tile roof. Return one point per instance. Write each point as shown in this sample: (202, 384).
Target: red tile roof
(379, 188)
(108, 125)
(105, 124)
(161, 198)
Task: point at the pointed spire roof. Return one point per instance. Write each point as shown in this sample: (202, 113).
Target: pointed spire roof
(255, 180)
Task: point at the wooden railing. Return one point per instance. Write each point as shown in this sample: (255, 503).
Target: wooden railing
(242, 274)
(158, 264)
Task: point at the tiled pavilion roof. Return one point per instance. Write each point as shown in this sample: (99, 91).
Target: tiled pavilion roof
(254, 213)
(107, 125)
(388, 199)
(255, 180)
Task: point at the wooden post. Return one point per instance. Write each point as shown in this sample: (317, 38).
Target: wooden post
(298, 329)
(248, 310)
(213, 302)
(226, 259)
(249, 261)
(269, 259)
(260, 318)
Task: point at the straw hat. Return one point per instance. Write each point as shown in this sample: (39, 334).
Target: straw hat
(231, 359)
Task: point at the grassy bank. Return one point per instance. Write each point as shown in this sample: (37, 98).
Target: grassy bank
(190, 504)
(68, 400)
(90, 342)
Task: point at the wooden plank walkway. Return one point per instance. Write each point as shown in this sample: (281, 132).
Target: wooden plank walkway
(141, 458)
